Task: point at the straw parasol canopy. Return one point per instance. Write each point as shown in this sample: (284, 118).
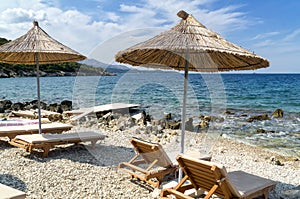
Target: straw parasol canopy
(190, 46)
(207, 50)
(36, 40)
(37, 47)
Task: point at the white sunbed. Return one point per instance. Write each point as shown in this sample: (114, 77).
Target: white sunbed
(42, 143)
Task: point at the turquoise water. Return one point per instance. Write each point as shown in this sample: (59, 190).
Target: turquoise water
(209, 94)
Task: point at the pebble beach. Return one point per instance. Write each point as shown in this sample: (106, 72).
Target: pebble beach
(80, 171)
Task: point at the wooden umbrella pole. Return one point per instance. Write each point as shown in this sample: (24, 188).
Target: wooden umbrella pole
(38, 91)
(183, 115)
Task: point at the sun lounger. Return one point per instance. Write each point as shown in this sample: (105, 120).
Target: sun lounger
(150, 164)
(42, 143)
(9, 192)
(213, 178)
(13, 131)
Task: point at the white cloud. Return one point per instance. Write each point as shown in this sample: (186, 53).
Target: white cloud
(82, 32)
(265, 35)
(293, 35)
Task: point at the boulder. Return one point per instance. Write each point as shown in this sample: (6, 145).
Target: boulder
(17, 106)
(168, 116)
(140, 118)
(5, 104)
(211, 118)
(202, 125)
(291, 193)
(172, 125)
(278, 113)
(258, 117)
(228, 112)
(53, 107)
(260, 130)
(55, 117)
(274, 160)
(66, 105)
(189, 124)
(34, 104)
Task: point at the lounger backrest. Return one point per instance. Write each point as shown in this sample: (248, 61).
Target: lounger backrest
(151, 152)
(204, 174)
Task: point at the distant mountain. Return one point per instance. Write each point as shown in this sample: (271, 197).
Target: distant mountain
(3, 41)
(107, 67)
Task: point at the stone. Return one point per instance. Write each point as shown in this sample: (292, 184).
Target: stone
(17, 106)
(189, 124)
(260, 131)
(258, 118)
(278, 113)
(55, 117)
(5, 104)
(66, 105)
(34, 104)
(211, 118)
(291, 193)
(172, 125)
(204, 124)
(53, 107)
(168, 116)
(274, 160)
(228, 112)
(140, 118)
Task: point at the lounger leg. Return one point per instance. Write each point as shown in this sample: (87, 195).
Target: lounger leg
(46, 150)
(266, 195)
(211, 192)
(93, 143)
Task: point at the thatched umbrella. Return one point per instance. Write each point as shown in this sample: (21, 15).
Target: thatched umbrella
(37, 47)
(190, 46)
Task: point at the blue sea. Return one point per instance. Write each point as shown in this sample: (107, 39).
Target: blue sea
(161, 92)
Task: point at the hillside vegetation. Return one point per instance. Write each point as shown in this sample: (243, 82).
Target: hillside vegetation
(60, 69)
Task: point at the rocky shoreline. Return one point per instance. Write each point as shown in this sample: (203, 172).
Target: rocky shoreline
(78, 171)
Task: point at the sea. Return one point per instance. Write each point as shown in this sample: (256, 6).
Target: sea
(161, 92)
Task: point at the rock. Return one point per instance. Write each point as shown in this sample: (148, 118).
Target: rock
(260, 131)
(140, 118)
(53, 107)
(189, 124)
(55, 117)
(168, 116)
(278, 113)
(17, 106)
(5, 103)
(228, 112)
(204, 124)
(211, 118)
(172, 125)
(66, 105)
(274, 160)
(258, 117)
(34, 104)
(291, 193)
(106, 118)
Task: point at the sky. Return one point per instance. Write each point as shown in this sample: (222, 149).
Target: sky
(270, 28)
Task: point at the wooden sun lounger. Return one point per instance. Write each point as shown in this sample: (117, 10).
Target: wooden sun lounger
(9, 192)
(34, 113)
(13, 131)
(44, 142)
(150, 164)
(102, 108)
(214, 179)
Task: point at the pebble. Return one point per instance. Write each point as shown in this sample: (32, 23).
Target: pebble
(78, 171)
